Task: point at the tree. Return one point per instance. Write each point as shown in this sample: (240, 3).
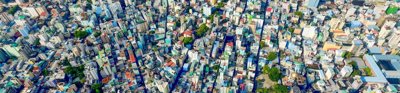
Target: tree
(271, 56)
(178, 23)
(89, 6)
(211, 17)
(13, 9)
(262, 90)
(262, 44)
(201, 30)
(280, 89)
(368, 71)
(353, 63)
(96, 87)
(187, 40)
(220, 5)
(348, 55)
(37, 41)
(298, 13)
(66, 63)
(274, 74)
(215, 67)
(355, 72)
(45, 72)
(291, 29)
(265, 69)
(75, 71)
(80, 34)
(97, 34)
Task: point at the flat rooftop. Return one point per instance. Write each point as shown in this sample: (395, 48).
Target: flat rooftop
(385, 67)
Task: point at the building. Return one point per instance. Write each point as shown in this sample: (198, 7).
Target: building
(311, 3)
(42, 12)
(385, 68)
(4, 18)
(3, 56)
(330, 46)
(24, 30)
(356, 82)
(336, 25)
(26, 51)
(309, 32)
(356, 47)
(346, 71)
(370, 40)
(386, 29)
(12, 50)
(394, 40)
(31, 11)
(330, 73)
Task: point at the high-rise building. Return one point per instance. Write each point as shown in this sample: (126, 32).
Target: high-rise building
(386, 29)
(4, 18)
(336, 25)
(356, 83)
(311, 3)
(346, 71)
(32, 12)
(42, 12)
(330, 73)
(12, 50)
(3, 56)
(394, 39)
(26, 51)
(356, 46)
(309, 32)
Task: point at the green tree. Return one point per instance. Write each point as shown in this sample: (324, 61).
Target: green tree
(220, 5)
(280, 89)
(80, 34)
(97, 34)
(271, 56)
(274, 74)
(355, 72)
(298, 13)
(75, 71)
(37, 41)
(66, 63)
(262, 44)
(265, 69)
(178, 23)
(348, 55)
(215, 67)
(201, 31)
(211, 17)
(262, 90)
(45, 72)
(368, 71)
(96, 87)
(353, 63)
(187, 40)
(291, 29)
(13, 9)
(89, 6)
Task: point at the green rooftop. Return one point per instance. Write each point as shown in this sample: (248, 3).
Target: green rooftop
(392, 10)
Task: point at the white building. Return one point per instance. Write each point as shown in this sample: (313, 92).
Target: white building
(346, 71)
(32, 11)
(386, 29)
(309, 32)
(330, 73)
(394, 40)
